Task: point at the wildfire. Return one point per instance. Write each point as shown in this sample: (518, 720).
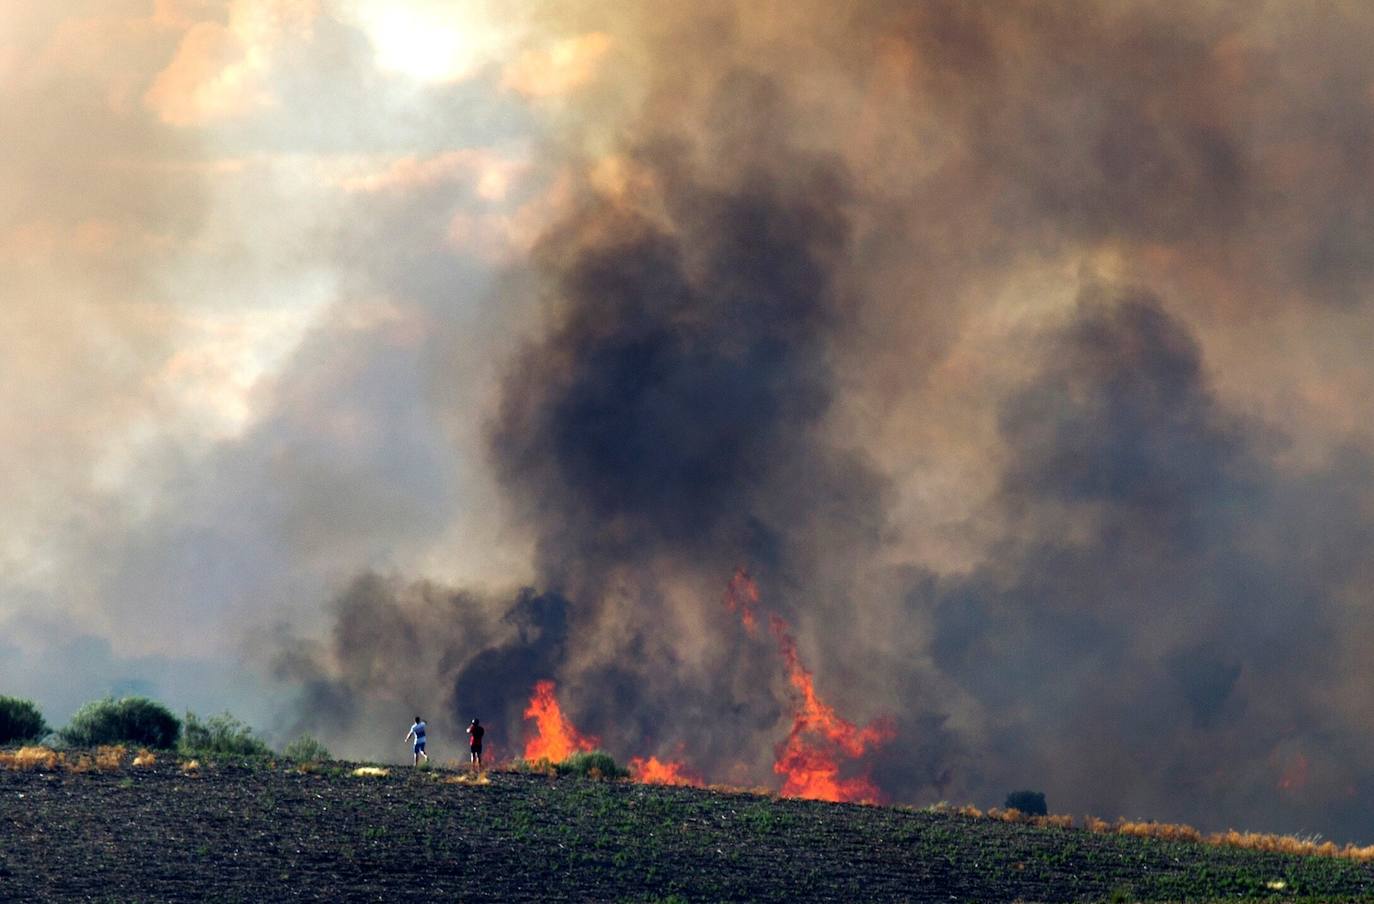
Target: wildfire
(654, 771)
(809, 759)
(741, 596)
(555, 737)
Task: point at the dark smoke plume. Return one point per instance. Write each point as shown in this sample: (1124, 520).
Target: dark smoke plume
(1152, 609)
(1011, 347)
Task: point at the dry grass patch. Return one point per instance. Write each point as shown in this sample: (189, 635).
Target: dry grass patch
(1165, 831)
(946, 808)
(1290, 844)
(1251, 841)
(145, 757)
(1011, 814)
(27, 759)
(370, 772)
(110, 757)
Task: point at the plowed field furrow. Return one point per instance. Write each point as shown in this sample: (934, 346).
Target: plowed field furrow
(258, 832)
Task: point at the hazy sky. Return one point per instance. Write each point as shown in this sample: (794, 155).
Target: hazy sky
(1020, 350)
(236, 237)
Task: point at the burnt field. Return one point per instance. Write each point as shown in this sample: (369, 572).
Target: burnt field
(259, 831)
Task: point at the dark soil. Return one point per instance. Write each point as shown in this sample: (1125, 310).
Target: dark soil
(259, 832)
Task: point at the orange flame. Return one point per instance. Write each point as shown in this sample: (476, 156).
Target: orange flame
(556, 739)
(654, 771)
(809, 759)
(742, 595)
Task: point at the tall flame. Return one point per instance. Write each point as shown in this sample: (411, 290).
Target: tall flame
(654, 771)
(809, 759)
(555, 737)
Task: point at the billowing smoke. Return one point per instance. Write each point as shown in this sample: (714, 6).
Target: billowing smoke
(1156, 633)
(1010, 348)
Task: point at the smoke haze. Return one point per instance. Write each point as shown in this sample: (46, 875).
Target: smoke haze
(1016, 350)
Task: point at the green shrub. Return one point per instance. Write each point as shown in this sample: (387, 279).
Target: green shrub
(1032, 803)
(132, 720)
(593, 764)
(306, 749)
(221, 735)
(20, 721)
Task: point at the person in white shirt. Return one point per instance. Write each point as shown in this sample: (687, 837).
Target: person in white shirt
(417, 731)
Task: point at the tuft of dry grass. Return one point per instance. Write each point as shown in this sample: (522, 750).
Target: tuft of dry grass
(190, 767)
(1165, 831)
(145, 757)
(31, 758)
(1290, 844)
(371, 772)
(466, 778)
(1253, 841)
(103, 759)
(109, 757)
(1011, 814)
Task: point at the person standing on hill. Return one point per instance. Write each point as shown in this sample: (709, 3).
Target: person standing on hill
(417, 731)
(475, 732)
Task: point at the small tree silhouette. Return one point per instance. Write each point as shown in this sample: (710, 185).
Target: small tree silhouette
(1032, 803)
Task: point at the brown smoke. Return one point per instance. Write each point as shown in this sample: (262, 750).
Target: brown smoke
(967, 329)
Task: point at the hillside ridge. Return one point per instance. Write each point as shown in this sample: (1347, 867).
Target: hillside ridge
(269, 830)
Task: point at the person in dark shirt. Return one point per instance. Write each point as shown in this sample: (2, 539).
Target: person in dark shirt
(475, 732)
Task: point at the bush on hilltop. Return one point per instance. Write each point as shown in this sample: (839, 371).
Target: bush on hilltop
(592, 764)
(221, 735)
(131, 720)
(20, 721)
(306, 749)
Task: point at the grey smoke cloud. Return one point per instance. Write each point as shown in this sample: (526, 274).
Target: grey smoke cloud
(1018, 351)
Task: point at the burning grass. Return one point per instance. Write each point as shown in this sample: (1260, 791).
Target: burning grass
(820, 741)
(653, 771)
(555, 738)
(816, 760)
